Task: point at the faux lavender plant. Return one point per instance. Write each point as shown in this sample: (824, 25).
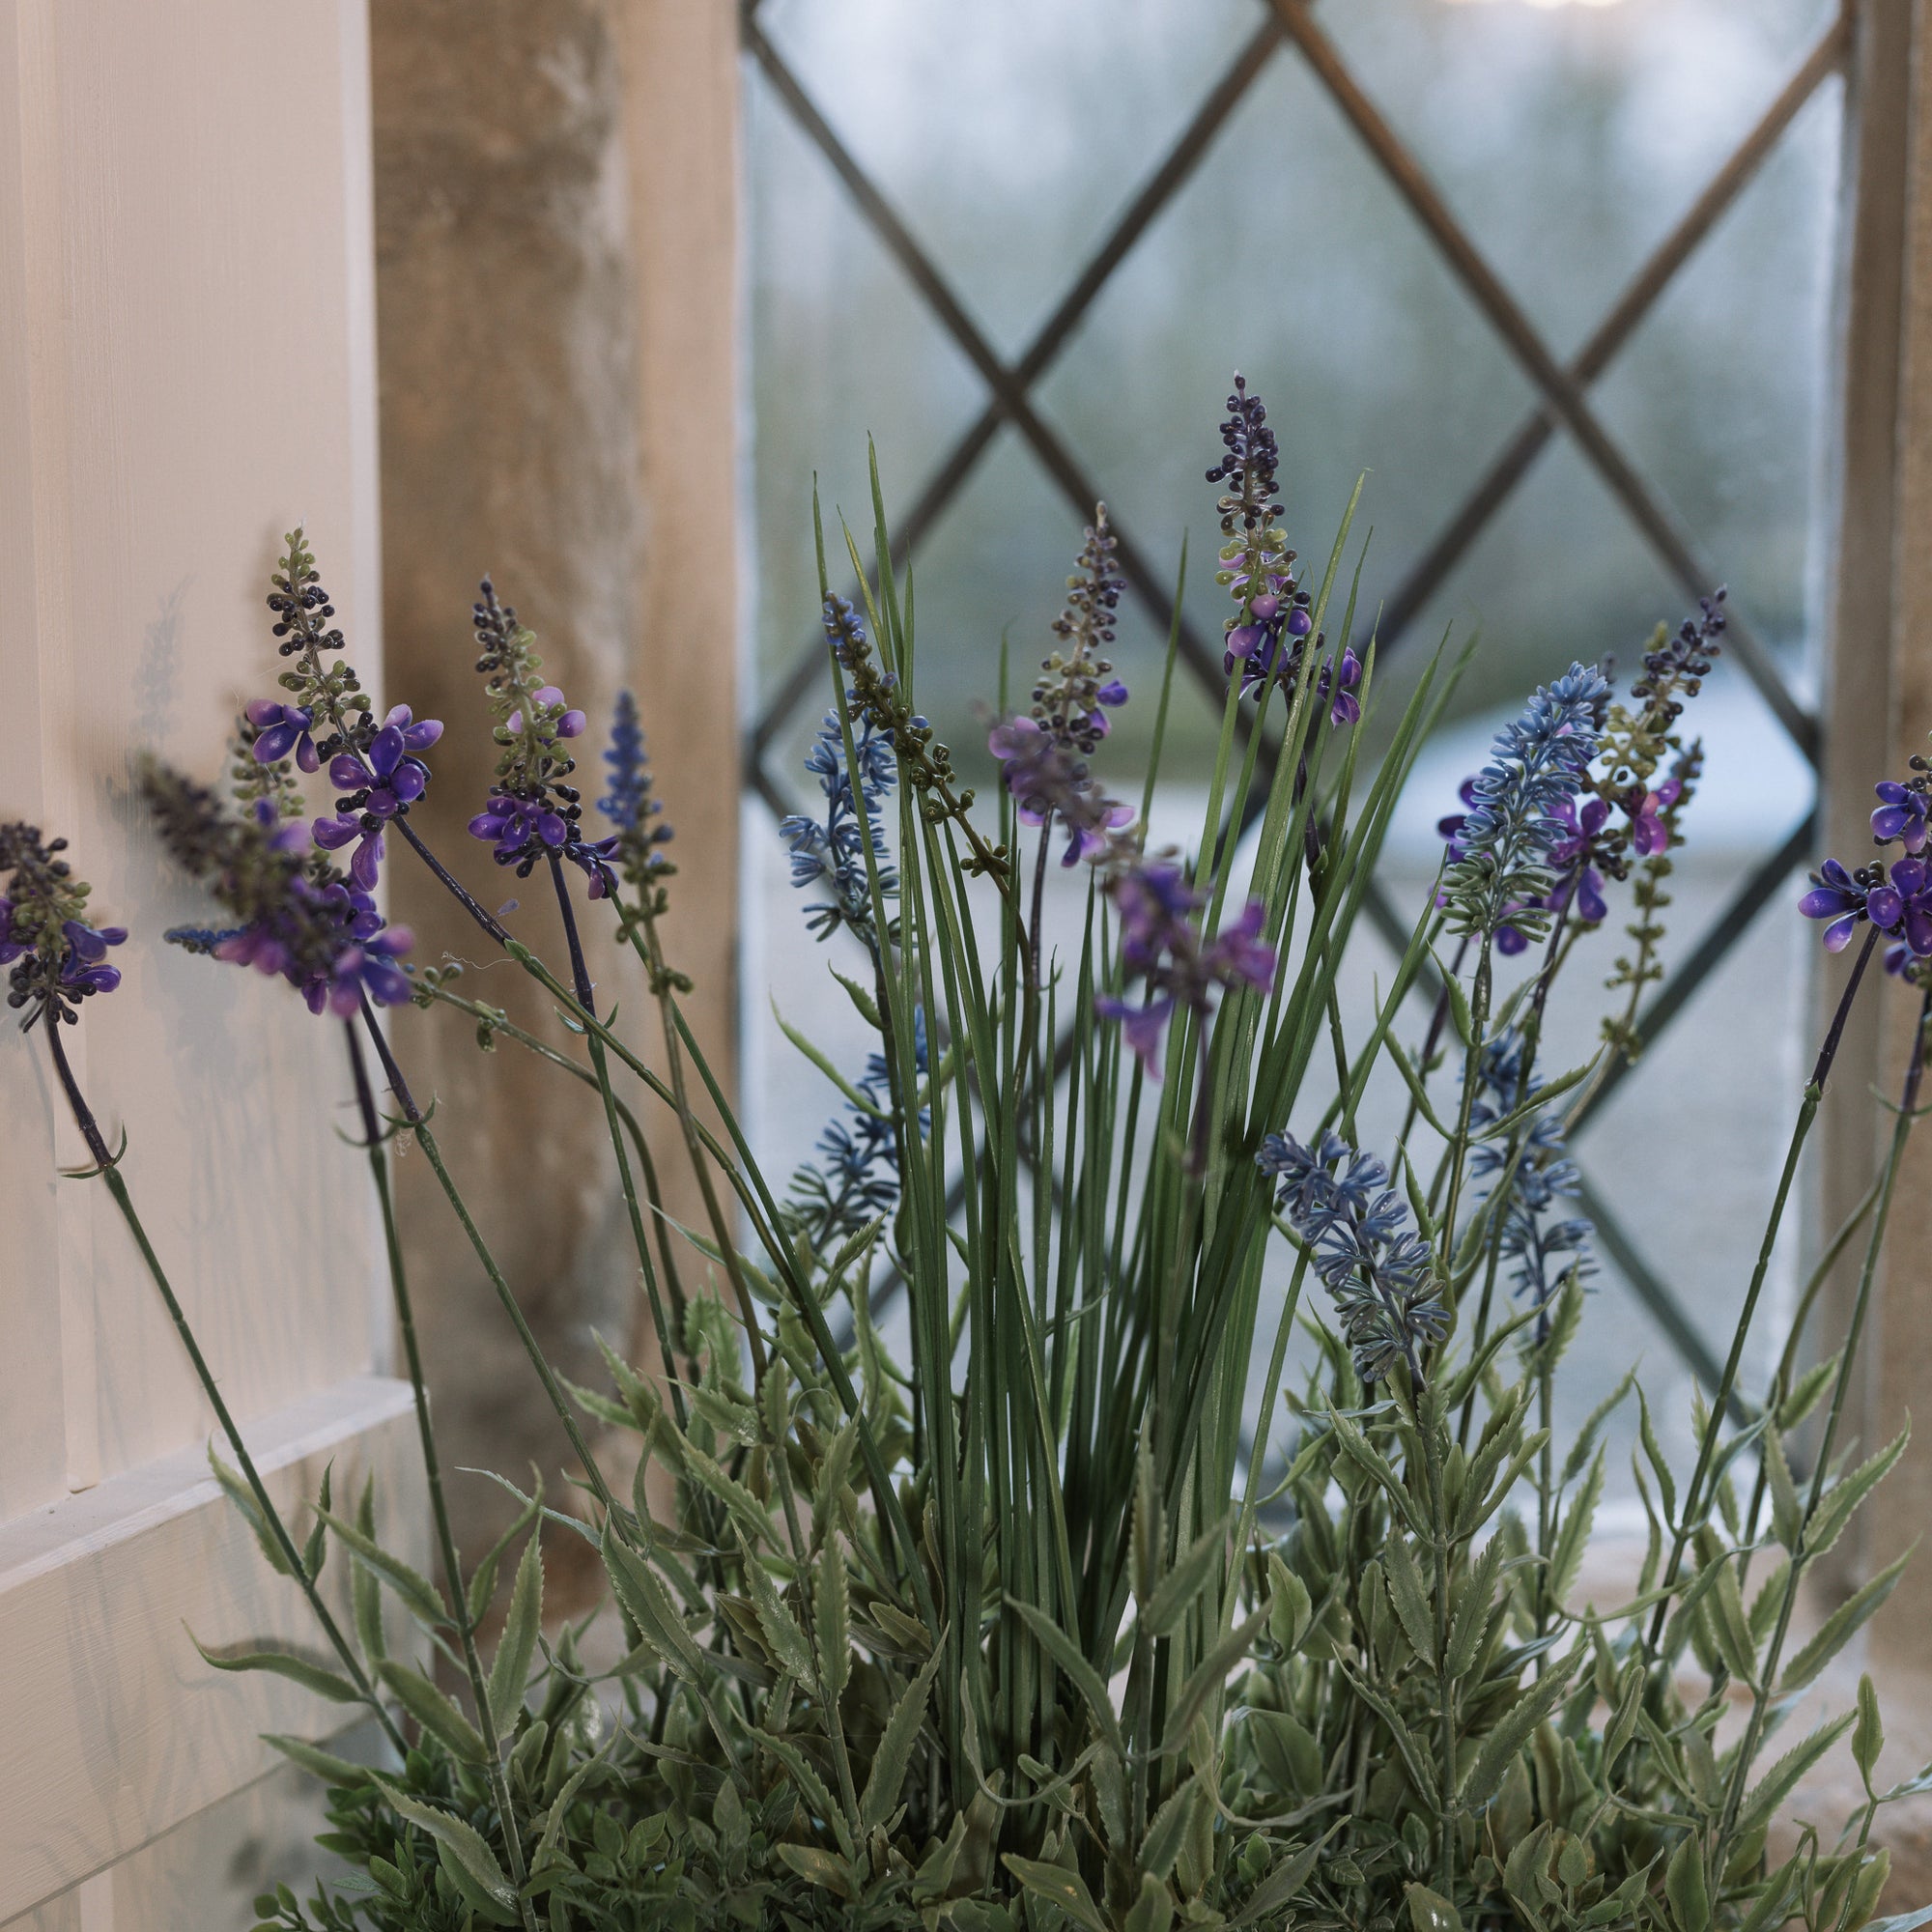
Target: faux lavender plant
(1039, 1621)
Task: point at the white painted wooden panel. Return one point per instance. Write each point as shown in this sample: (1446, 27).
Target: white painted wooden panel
(118, 1732)
(185, 371)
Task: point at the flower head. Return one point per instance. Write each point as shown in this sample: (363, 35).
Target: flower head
(1075, 682)
(630, 806)
(1160, 940)
(859, 1178)
(57, 957)
(1899, 905)
(1502, 867)
(829, 852)
(295, 916)
(1545, 1252)
(1048, 779)
(1266, 635)
(1901, 814)
(533, 814)
(1376, 1267)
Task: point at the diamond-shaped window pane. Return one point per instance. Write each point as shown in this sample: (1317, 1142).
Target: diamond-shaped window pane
(1566, 139)
(1288, 251)
(1007, 139)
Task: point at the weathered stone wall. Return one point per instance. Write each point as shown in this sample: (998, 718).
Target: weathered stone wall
(508, 362)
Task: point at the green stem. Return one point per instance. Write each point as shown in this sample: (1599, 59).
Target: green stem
(600, 1066)
(1821, 1470)
(420, 1126)
(109, 1171)
(1695, 1499)
(373, 1141)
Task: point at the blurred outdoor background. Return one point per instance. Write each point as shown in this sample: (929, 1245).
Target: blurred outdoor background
(1567, 141)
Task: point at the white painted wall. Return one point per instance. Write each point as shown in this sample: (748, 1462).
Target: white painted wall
(187, 370)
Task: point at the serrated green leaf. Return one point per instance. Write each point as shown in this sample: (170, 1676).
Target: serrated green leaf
(1778, 1782)
(881, 1796)
(1167, 1830)
(817, 1796)
(1473, 1618)
(318, 1763)
(1060, 1887)
(1804, 1394)
(831, 1604)
(465, 1844)
(1512, 1732)
(1840, 1627)
(510, 1670)
(1686, 1886)
(1842, 1501)
(365, 1594)
(315, 1552)
(325, 1683)
(783, 1635)
(1868, 1737)
(1176, 1592)
(1667, 1483)
(243, 1498)
(1410, 1596)
(1586, 1436)
(642, 1593)
(1786, 1520)
(1573, 1536)
(422, 1597)
(433, 1710)
(1363, 1453)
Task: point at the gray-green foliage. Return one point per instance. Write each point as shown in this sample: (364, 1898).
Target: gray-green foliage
(995, 1638)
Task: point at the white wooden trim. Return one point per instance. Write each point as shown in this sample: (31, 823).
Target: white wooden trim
(116, 1730)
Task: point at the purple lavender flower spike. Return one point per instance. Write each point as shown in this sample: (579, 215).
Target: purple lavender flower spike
(1901, 815)
(296, 918)
(283, 729)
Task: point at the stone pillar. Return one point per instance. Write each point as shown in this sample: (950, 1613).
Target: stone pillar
(525, 384)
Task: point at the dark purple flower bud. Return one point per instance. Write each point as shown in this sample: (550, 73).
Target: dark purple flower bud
(1901, 815)
(283, 729)
(1244, 639)
(1112, 691)
(1345, 707)
(333, 833)
(1835, 895)
(1263, 607)
(1300, 622)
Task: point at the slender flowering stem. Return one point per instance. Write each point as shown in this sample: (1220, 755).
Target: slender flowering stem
(1695, 1498)
(420, 1126)
(107, 1168)
(1821, 1468)
(375, 1141)
(600, 1066)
